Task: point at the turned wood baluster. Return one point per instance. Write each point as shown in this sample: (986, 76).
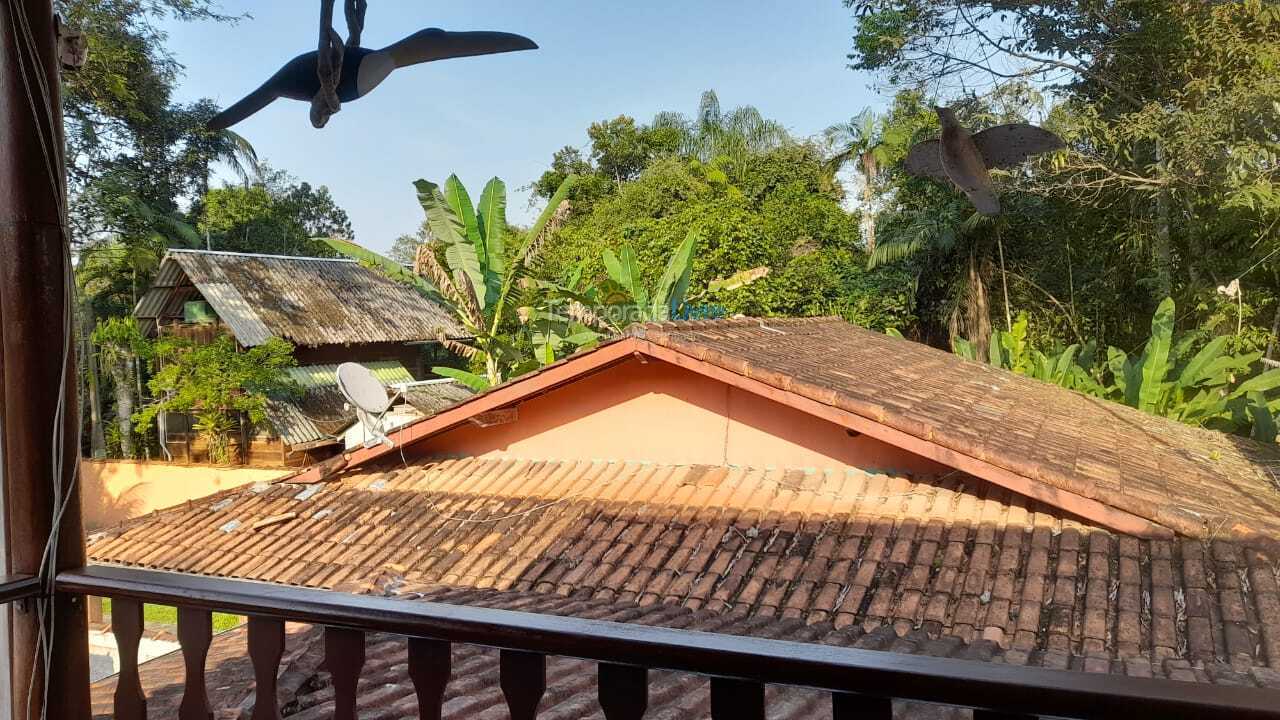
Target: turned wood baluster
(126, 625)
(343, 657)
(847, 706)
(195, 632)
(736, 700)
(266, 645)
(429, 668)
(523, 677)
(624, 691)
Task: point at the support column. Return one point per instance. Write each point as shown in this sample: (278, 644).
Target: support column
(33, 338)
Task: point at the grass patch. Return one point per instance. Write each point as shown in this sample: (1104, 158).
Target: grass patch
(168, 615)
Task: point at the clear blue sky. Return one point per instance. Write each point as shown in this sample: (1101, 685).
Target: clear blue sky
(506, 114)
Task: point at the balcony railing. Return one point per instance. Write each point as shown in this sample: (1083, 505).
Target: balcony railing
(862, 683)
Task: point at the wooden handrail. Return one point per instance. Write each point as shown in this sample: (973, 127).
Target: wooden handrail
(994, 687)
(18, 587)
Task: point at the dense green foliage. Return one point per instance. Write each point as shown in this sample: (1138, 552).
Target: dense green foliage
(756, 199)
(1205, 385)
(1166, 190)
(277, 216)
(217, 383)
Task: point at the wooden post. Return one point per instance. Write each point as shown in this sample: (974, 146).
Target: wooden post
(33, 336)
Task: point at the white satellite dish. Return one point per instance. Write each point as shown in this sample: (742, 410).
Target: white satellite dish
(369, 397)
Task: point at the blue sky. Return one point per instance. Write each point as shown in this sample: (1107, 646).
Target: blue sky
(505, 115)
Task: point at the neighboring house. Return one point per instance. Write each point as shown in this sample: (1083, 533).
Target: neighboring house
(798, 479)
(331, 310)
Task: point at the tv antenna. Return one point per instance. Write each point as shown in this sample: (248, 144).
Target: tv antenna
(369, 397)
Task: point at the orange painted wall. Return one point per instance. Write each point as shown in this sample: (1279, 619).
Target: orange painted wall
(112, 491)
(662, 413)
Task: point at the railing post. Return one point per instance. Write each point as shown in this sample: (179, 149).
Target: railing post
(266, 646)
(623, 691)
(429, 668)
(195, 634)
(126, 625)
(736, 699)
(344, 657)
(38, 438)
(523, 677)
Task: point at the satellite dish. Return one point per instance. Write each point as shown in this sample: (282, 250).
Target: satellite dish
(369, 397)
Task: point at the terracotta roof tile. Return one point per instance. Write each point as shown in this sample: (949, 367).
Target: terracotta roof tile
(952, 557)
(1198, 482)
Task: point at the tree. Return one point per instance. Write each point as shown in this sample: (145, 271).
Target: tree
(1169, 108)
(218, 383)
(404, 249)
(723, 139)
(858, 139)
(120, 345)
(278, 216)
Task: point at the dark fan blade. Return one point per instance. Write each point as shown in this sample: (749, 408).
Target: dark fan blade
(1006, 146)
(925, 160)
(251, 104)
(436, 44)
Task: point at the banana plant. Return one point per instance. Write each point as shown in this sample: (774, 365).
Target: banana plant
(480, 269)
(624, 297)
(1206, 390)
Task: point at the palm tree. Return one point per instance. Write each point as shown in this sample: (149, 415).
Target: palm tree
(860, 139)
(963, 246)
(722, 138)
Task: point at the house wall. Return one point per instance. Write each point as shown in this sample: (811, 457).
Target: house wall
(663, 413)
(115, 490)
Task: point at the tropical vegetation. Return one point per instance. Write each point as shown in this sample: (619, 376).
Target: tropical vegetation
(217, 383)
(1139, 264)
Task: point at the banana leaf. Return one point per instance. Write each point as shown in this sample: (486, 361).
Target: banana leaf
(479, 383)
(674, 282)
(492, 220)
(455, 194)
(459, 251)
(1264, 424)
(1155, 358)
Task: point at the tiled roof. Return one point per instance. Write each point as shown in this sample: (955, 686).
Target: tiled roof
(952, 556)
(307, 301)
(1197, 482)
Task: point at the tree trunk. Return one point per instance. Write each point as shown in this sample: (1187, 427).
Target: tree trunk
(1164, 241)
(122, 374)
(97, 438)
(868, 211)
(977, 308)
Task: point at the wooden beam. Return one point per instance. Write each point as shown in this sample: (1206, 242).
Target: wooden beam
(33, 339)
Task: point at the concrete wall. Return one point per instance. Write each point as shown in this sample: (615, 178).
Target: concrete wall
(116, 490)
(663, 413)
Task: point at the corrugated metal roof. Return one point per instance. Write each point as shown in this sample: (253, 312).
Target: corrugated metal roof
(319, 413)
(307, 301)
(292, 423)
(388, 372)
